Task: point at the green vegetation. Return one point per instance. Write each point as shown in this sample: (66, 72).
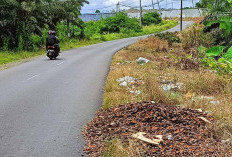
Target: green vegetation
(214, 5)
(151, 18)
(23, 22)
(30, 44)
(218, 24)
(7, 57)
(164, 25)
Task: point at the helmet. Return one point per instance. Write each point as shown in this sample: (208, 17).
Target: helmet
(50, 32)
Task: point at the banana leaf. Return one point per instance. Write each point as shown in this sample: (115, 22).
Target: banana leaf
(214, 51)
(228, 54)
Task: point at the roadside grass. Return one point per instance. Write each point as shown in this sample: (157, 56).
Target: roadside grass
(8, 57)
(195, 19)
(152, 29)
(116, 148)
(167, 64)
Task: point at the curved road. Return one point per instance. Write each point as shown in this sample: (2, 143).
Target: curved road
(44, 105)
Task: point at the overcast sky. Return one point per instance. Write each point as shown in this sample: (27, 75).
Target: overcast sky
(109, 5)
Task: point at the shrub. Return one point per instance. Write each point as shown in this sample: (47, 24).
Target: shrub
(61, 31)
(195, 37)
(20, 45)
(6, 43)
(151, 18)
(169, 36)
(92, 28)
(76, 30)
(118, 22)
(37, 41)
(222, 66)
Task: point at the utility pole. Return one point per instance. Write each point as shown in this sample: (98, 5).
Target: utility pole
(159, 6)
(181, 16)
(172, 5)
(141, 13)
(166, 4)
(117, 7)
(153, 4)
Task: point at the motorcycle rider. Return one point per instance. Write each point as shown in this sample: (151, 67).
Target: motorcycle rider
(52, 40)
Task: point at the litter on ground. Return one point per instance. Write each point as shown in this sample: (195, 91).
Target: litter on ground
(142, 60)
(184, 131)
(169, 85)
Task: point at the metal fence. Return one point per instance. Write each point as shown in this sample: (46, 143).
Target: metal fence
(164, 14)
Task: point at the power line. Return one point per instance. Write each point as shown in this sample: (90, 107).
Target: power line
(123, 4)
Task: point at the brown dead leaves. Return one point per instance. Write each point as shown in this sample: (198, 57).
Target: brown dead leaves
(183, 133)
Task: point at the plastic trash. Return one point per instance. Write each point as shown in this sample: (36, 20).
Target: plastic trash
(142, 60)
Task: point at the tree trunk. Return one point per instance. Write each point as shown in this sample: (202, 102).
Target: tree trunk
(68, 27)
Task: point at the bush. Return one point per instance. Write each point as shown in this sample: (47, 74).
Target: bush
(92, 28)
(195, 37)
(169, 36)
(118, 22)
(61, 30)
(151, 18)
(222, 66)
(76, 30)
(6, 43)
(37, 41)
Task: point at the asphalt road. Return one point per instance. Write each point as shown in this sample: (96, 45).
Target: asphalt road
(44, 105)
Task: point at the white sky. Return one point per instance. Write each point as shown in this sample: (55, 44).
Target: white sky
(109, 5)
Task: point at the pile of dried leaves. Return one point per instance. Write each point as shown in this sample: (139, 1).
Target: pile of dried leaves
(184, 131)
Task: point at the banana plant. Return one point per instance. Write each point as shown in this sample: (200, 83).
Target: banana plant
(225, 24)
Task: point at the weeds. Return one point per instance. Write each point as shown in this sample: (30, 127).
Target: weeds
(202, 88)
(194, 37)
(116, 148)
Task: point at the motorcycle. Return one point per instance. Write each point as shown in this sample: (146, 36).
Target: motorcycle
(52, 53)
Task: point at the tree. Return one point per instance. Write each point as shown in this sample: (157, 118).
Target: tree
(151, 18)
(214, 5)
(19, 19)
(97, 11)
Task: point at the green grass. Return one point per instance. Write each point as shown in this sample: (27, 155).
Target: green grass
(152, 29)
(8, 57)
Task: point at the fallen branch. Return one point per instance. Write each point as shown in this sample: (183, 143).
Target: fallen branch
(204, 119)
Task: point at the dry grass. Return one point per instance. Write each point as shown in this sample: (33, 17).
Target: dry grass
(194, 37)
(151, 43)
(195, 19)
(117, 149)
(163, 66)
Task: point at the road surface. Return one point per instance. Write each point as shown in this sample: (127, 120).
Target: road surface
(44, 105)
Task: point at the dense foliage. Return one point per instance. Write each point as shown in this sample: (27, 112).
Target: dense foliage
(22, 21)
(214, 5)
(24, 24)
(219, 24)
(151, 18)
(120, 23)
